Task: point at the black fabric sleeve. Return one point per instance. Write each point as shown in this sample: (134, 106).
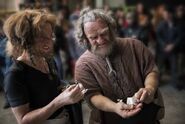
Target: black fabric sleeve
(15, 88)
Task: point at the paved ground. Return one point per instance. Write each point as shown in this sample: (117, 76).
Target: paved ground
(174, 103)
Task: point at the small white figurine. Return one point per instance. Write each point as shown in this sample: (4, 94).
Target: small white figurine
(132, 101)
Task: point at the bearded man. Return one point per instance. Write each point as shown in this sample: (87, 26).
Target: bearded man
(113, 69)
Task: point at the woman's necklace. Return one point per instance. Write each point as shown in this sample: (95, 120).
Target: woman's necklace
(37, 63)
(46, 69)
(43, 66)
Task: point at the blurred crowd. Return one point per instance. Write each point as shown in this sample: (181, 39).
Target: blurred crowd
(160, 28)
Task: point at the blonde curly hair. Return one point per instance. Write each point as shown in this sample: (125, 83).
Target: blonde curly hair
(22, 27)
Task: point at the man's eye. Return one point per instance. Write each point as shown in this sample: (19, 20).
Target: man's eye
(104, 33)
(93, 38)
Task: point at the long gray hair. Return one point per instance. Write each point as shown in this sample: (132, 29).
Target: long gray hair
(89, 15)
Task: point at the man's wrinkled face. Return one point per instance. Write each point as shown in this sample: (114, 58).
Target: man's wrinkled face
(98, 35)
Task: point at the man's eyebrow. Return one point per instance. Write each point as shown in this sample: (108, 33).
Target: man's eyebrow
(96, 33)
(92, 35)
(105, 29)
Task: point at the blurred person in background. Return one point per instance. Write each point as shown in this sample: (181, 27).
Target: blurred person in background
(141, 13)
(5, 60)
(180, 24)
(157, 16)
(107, 9)
(114, 69)
(63, 18)
(61, 48)
(2, 54)
(120, 21)
(146, 33)
(168, 37)
(132, 29)
(75, 49)
(31, 84)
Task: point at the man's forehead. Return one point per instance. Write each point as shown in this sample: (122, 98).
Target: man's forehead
(94, 26)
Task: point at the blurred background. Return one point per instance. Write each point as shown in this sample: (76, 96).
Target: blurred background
(159, 24)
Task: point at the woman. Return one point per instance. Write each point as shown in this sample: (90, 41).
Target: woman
(31, 84)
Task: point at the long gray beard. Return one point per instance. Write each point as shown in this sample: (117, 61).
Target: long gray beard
(100, 53)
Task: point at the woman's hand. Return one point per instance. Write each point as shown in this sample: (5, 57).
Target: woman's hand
(71, 95)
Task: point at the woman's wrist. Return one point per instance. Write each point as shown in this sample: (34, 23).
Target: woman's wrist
(57, 103)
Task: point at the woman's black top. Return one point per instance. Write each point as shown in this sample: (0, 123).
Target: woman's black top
(24, 84)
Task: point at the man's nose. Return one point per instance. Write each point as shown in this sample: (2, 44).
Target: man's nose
(100, 39)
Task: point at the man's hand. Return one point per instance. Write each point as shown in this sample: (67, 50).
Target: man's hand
(145, 95)
(169, 48)
(126, 111)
